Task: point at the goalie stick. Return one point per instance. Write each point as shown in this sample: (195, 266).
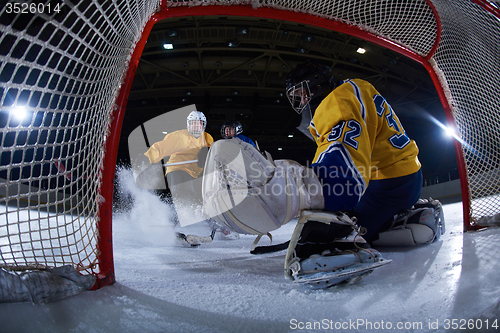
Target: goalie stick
(270, 248)
(179, 163)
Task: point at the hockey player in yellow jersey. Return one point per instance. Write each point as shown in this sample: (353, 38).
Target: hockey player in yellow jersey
(357, 117)
(366, 162)
(184, 146)
(187, 149)
(359, 191)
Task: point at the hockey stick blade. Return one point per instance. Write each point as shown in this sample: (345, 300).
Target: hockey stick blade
(270, 248)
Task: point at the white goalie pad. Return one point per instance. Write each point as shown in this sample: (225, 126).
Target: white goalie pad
(412, 234)
(423, 224)
(253, 194)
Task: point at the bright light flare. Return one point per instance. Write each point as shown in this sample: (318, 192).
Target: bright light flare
(19, 112)
(449, 131)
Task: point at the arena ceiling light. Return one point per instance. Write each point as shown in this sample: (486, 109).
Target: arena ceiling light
(168, 46)
(361, 50)
(242, 31)
(307, 38)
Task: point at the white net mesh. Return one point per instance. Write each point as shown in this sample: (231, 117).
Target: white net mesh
(409, 23)
(468, 55)
(67, 68)
(61, 69)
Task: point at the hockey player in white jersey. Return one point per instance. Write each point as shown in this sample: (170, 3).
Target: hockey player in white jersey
(365, 172)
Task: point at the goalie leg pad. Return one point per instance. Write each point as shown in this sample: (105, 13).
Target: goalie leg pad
(423, 224)
(413, 234)
(251, 193)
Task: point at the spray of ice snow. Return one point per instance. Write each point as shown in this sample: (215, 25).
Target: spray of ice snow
(143, 210)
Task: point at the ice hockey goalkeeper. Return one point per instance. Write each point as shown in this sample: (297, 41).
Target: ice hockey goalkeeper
(360, 190)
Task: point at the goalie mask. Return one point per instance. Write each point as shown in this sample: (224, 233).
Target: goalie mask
(230, 129)
(307, 84)
(196, 123)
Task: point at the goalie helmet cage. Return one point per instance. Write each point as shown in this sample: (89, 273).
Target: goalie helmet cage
(72, 68)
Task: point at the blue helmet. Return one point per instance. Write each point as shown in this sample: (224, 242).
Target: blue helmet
(235, 124)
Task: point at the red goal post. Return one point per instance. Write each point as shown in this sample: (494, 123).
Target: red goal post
(53, 217)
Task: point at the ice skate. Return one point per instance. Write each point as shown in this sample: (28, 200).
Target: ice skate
(193, 240)
(181, 239)
(226, 234)
(326, 250)
(222, 232)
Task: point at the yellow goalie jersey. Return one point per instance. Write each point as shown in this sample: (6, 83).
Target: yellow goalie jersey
(180, 146)
(359, 138)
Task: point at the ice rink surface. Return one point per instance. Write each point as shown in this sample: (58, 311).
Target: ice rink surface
(448, 286)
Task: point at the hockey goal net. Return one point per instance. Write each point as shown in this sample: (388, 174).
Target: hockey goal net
(65, 72)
